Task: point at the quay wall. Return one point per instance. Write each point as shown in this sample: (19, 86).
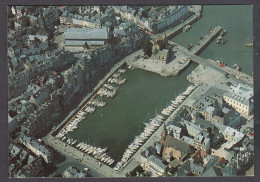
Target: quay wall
(84, 102)
(162, 70)
(207, 40)
(189, 21)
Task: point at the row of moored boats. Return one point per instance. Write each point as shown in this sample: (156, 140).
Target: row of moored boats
(139, 140)
(151, 127)
(97, 152)
(107, 90)
(178, 100)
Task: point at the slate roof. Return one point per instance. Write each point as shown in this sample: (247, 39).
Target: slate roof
(82, 42)
(199, 155)
(158, 162)
(197, 168)
(240, 93)
(15, 150)
(212, 171)
(149, 151)
(188, 140)
(176, 144)
(86, 33)
(72, 172)
(229, 171)
(184, 170)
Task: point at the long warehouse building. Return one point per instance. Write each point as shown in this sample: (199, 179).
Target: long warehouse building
(91, 36)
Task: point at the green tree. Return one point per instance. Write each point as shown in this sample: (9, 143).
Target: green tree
(86, 45)
(148, 48)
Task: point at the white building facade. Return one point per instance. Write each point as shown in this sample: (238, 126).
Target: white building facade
(240, 97)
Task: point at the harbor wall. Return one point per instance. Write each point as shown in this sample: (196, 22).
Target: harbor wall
(87, 98)
(175, 32)
(207, 40)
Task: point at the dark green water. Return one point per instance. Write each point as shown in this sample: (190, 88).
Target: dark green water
(238, 21)
(145, 92)
(137, 99)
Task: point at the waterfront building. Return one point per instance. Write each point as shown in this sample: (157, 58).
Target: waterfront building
(158, 18)
(37, 148)
(158, 147)
(91, 36)
(175, 131)
(73, 172)
(154, 165)
(240, 97)
(175, 148)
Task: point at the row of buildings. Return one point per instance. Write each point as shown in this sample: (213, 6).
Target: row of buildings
(27, 157)
(154, 19)
(206, 139)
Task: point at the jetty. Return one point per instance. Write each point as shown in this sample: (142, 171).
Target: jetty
(199, 46)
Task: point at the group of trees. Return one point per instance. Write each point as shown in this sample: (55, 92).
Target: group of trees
(148, 46)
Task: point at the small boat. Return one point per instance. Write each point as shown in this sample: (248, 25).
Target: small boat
(63, 138)
(249, 44)
(73, 142)
(221, 40)
(223, 32)
(189, 46)
(186, 28)
(235, 66)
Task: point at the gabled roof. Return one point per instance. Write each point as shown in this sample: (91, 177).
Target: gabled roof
(176, 144)
(197, 168)
(184, 170)
(212, 171)
(203, 124)
(199, 155)
(229, 171)
(175, 163)
(241, 93)
(158, 162)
